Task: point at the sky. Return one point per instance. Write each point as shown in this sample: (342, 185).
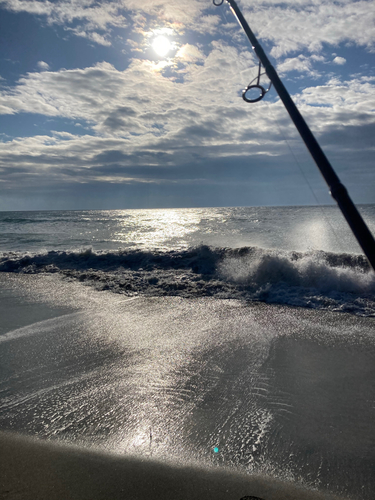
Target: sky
(137, 103)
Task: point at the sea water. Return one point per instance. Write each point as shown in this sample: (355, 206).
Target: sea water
(237, 337)
(302, 256)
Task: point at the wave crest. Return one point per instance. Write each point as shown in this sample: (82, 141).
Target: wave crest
(312, 270)
(340, 282)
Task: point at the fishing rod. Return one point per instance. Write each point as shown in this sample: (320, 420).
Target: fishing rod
(337, 190)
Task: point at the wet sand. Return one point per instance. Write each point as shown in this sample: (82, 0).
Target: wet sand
(37, 470)
(284, 392)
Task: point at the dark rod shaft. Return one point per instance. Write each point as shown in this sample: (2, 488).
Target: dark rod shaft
(336, 188)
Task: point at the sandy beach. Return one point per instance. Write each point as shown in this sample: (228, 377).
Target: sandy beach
(37, 470)
(108, 397)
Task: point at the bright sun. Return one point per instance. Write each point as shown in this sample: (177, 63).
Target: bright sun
(161, 45)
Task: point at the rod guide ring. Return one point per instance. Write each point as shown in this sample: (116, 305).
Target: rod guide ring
(257, 86)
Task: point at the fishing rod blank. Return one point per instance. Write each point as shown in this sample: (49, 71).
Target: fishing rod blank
(337, 190)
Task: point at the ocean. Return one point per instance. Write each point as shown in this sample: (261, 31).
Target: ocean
(240, 338)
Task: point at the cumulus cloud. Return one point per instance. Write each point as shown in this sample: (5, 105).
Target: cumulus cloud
(189, 53)
(97, 19)
(147, 126)
(302, 64)
(308, 24)
(134, 46)
(294, 26)
(134, 102)
(155, 122)
(357, 96)
(140, 118)
(100, 15)
(43, 65)
(339, 60)
(318, 58)
(193, 14)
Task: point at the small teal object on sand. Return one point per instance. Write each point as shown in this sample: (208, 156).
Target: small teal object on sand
(216, 449)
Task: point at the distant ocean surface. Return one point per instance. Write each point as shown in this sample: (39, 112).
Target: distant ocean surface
(299, 256)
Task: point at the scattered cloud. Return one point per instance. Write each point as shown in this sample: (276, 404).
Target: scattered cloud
(43, 66)
(302, 64)
(294, 26)
(93, 36)
(164, 130)
(317, 58)
(190, 53)
(134, 46)
(339, 60)
(309, 24)
(96, 20)
(182, 119)
(356, 96)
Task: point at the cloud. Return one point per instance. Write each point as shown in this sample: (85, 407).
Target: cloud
(309, 24)
(149, 127)
(189, 53)
(302, 64)
(293, 25)
(184, 13)
(96, 19)
(339, 60)
(90, 35)
(43, 65)
(134, 46)
(317, 58)
(94, 16)
(356, 96)
(144, 106)
(121, 103)
(97, 15)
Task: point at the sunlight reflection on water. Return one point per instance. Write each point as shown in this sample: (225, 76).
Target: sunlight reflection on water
(157, 226)
(284, 228)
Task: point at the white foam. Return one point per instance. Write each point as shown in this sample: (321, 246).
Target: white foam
(342, 282)
(41, 327)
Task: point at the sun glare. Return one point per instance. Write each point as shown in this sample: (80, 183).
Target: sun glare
(161, 45)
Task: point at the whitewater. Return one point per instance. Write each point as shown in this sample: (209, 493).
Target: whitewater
(223, 339)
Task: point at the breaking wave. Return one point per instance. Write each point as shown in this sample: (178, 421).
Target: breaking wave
(338, 282)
